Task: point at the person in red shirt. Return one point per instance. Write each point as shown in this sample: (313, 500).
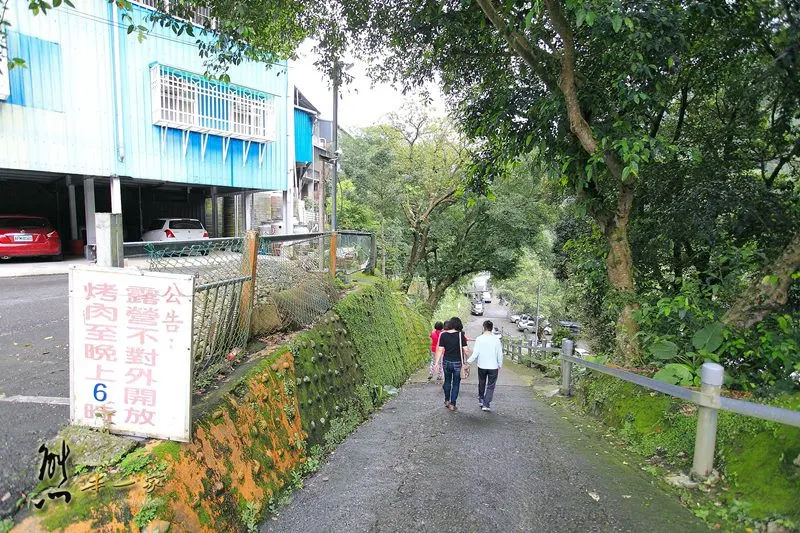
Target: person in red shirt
(437, 329)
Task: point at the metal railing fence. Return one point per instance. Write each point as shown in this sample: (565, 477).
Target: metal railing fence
(708, 399)
(253, 285)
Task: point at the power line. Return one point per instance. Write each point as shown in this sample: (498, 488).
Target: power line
(123, 26)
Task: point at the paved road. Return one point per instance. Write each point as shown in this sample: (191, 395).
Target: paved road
(34, 361)
(417, 467)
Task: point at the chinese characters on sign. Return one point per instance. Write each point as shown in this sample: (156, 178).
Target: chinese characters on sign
(130, 351)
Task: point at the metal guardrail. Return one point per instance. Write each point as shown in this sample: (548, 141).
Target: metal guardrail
(709, 400)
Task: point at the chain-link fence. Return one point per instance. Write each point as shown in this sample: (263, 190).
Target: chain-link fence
(354, 251)
(254, 286)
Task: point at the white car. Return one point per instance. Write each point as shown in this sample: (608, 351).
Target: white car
(175, 229)
(477, 308)
(487, 297)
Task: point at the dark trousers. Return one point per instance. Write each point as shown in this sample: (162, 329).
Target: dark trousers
(452, 380)
(485, 392)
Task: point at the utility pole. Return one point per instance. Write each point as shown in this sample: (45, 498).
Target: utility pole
(538, 290)
(334, 183)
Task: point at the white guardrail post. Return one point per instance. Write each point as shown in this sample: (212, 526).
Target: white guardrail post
(567, 347)
(711, 375)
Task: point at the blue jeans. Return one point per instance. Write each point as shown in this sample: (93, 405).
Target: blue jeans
(452, 380)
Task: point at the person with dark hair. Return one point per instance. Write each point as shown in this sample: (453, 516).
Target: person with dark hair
(451, 356)
(489, 354)
(437, 329)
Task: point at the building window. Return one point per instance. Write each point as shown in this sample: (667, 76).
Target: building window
(178, 101)
(201, 16)
(187, 101)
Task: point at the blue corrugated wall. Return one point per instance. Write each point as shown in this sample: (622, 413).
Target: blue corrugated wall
(303, 132)
(35, 87)
(60, 116)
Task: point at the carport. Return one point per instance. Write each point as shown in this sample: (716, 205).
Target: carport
(70, 203)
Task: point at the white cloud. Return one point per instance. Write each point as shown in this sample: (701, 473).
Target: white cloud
(362, 103)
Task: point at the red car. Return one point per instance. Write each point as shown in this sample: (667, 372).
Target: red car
(25, 236)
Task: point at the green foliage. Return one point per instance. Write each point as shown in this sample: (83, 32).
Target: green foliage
(454, 303)
(6, 524)
(677, 374)
(754, 456)
(135, 462)
(152, 508)
(251, 516)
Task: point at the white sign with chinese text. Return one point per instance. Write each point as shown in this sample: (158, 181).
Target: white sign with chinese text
(130, 351)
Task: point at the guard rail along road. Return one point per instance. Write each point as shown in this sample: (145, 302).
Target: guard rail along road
(708, 398)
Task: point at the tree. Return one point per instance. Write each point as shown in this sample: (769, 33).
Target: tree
(410, 172)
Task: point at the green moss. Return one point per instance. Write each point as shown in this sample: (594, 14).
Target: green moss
(755, 456)
(151, 509)
(202, 515)
(167, 449)
(135, 462)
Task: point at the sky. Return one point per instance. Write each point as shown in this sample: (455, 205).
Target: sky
(361, 103)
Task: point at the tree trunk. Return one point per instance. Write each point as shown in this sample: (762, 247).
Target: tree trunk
(411, 264)
(769, 291)
(436, 295)
(619, 265)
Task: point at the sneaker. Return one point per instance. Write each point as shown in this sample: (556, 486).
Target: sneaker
(452, 407)
(486, 408)
(480, 403)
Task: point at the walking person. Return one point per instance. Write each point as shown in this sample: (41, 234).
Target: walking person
(489, 353)
(450, 356)
(437, 330)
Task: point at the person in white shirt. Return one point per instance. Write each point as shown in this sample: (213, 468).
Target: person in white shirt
(489, 353)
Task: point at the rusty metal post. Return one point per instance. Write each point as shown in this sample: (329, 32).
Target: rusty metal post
(333, 254)
(249, 268)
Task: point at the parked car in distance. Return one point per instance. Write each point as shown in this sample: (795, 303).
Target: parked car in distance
(573, 327)
(175, 229)
(497, 333)
(527, 325)
(28, 236)
(487, 297)
(477, 308)
(523, 317)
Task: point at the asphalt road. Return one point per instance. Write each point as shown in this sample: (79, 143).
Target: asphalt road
(414, 466)
(34, 362)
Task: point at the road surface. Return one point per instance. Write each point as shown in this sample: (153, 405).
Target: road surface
(34, 376)
(414, 466)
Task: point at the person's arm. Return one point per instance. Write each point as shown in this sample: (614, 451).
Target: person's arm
(474, 352)
(499, 353)
(439, 352)
(467, 349)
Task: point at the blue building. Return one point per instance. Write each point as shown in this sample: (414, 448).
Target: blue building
(101, 122)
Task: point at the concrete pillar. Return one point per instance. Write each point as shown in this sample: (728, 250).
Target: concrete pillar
(287, 214)
(109, 240)
(214, 213)
(88, 202)
(73, 210)
(116, 195)
(711, 377)
(249, 216)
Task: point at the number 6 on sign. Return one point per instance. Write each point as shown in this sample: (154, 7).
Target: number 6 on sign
(100, 392)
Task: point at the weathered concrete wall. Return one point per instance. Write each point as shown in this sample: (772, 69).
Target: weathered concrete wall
(254, 437)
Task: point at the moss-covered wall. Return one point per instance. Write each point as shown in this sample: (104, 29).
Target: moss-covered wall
(759, 460)
(256, 439)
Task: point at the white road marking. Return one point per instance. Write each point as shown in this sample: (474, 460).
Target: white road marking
(49, 400)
